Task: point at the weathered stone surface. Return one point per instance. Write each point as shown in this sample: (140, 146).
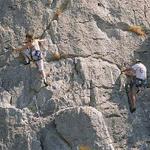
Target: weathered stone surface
(83, 125)
(94, 44)
(51, 140)
(15, 130)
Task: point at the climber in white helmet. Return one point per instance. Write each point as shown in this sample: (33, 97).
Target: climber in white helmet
(138, 75)
(31, 52)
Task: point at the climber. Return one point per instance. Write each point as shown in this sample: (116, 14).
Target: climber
(31, 52)
(138, 75)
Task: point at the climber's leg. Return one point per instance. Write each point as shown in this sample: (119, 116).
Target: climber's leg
(26, 54)
(40, 65)
(132, 95)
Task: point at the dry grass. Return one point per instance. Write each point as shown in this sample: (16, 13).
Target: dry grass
(57, 13)
(137, 29)
(56, 55)
(61, 9)
(84, 147)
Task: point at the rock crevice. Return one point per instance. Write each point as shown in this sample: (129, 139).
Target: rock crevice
(85, 104)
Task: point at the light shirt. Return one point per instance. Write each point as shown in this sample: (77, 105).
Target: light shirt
(35, 43)
(140, 71)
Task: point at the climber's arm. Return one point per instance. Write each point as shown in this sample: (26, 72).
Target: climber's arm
(43, 43)
(42, 40)
(23, 47)
(128, 71)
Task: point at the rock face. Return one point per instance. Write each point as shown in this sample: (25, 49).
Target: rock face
(83, 126)
(15, 129)
(84, 105)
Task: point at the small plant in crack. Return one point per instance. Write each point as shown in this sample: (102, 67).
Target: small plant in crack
(61, 9)
(139, 30)
(58, 12)
(84, 147)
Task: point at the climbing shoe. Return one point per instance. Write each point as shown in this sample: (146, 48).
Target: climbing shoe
(132, 110)
(26, 63)
(45, 83)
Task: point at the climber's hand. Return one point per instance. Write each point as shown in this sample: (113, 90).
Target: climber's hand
(13, 49)
(122, 72)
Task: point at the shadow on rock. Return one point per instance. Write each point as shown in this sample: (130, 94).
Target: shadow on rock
(137, 124)
(19, 80)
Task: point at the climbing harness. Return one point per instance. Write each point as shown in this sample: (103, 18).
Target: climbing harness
(36, 55)
(32, 55)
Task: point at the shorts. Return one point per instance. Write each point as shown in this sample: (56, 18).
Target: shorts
(26, 54)
(140, 83)
(136, 84)
(40, 65)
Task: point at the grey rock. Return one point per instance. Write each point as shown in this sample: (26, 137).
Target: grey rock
(52, 140)
(15, 130)
(93, 40)
(83, 126)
